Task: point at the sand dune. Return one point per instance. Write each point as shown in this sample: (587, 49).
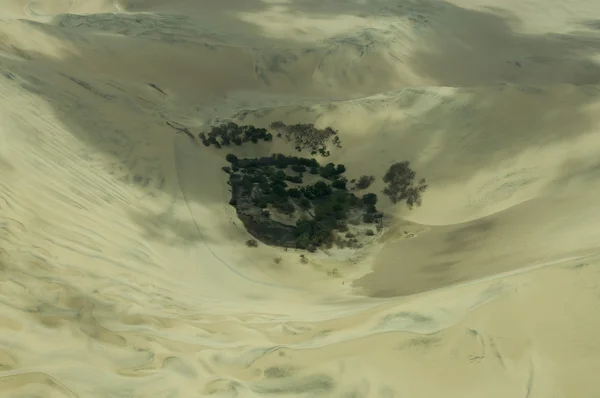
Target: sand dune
(123, 270)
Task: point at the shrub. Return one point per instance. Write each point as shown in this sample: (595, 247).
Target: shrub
(307, 136)
(299, 168)
(305, 203)
(294, 179)
(369, 232)
(294, 192)
(251, 243)
(400, 179)
(339, 184)
(364, 182)
(369, 199)
(231, 158)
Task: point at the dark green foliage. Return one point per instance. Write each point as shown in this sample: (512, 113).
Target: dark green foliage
(294, 179)
(298, 168)
(314, 170)
(227, 133)
(294, 193)
(401, 186)
(339, 184)
(307, 137)
(364, 182)
(305, 203)
(310, 233)
(325, 206)
(251, 243)
(370, 208)
(369, 199)
(331, 172)
(279, 190)
(279, 175)
(231, 158)
(317, 190)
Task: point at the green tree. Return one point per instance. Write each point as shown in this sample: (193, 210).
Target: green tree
(369, 199)
(400, 179)
(364, 182)
(294, 192)
(339, 184)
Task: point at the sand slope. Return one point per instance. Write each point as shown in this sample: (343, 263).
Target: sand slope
(123, 271)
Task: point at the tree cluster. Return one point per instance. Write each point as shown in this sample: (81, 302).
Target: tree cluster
(400, 179)
(324, 206)
(305, 136)
(231, 133)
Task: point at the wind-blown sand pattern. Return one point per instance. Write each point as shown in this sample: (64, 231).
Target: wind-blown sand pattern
(123, 270)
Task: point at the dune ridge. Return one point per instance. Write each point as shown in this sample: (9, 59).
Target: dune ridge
(123, 270)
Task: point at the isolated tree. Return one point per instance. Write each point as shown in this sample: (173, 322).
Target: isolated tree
(401, 186)
(365, 181)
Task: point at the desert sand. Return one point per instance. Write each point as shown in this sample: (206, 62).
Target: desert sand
(123, 270)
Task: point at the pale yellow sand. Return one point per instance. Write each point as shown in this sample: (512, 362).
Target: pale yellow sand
(123, 271)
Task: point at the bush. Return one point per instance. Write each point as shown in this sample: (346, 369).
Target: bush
(364, 182)
(251, 243)
(231, 158)
(299, 168)
(305, 203)
(339, 184)
(369, 199)
(369, 232)
(285, 206)
(307, 137)
(294, 193)
(294, 179)
(400, 179)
